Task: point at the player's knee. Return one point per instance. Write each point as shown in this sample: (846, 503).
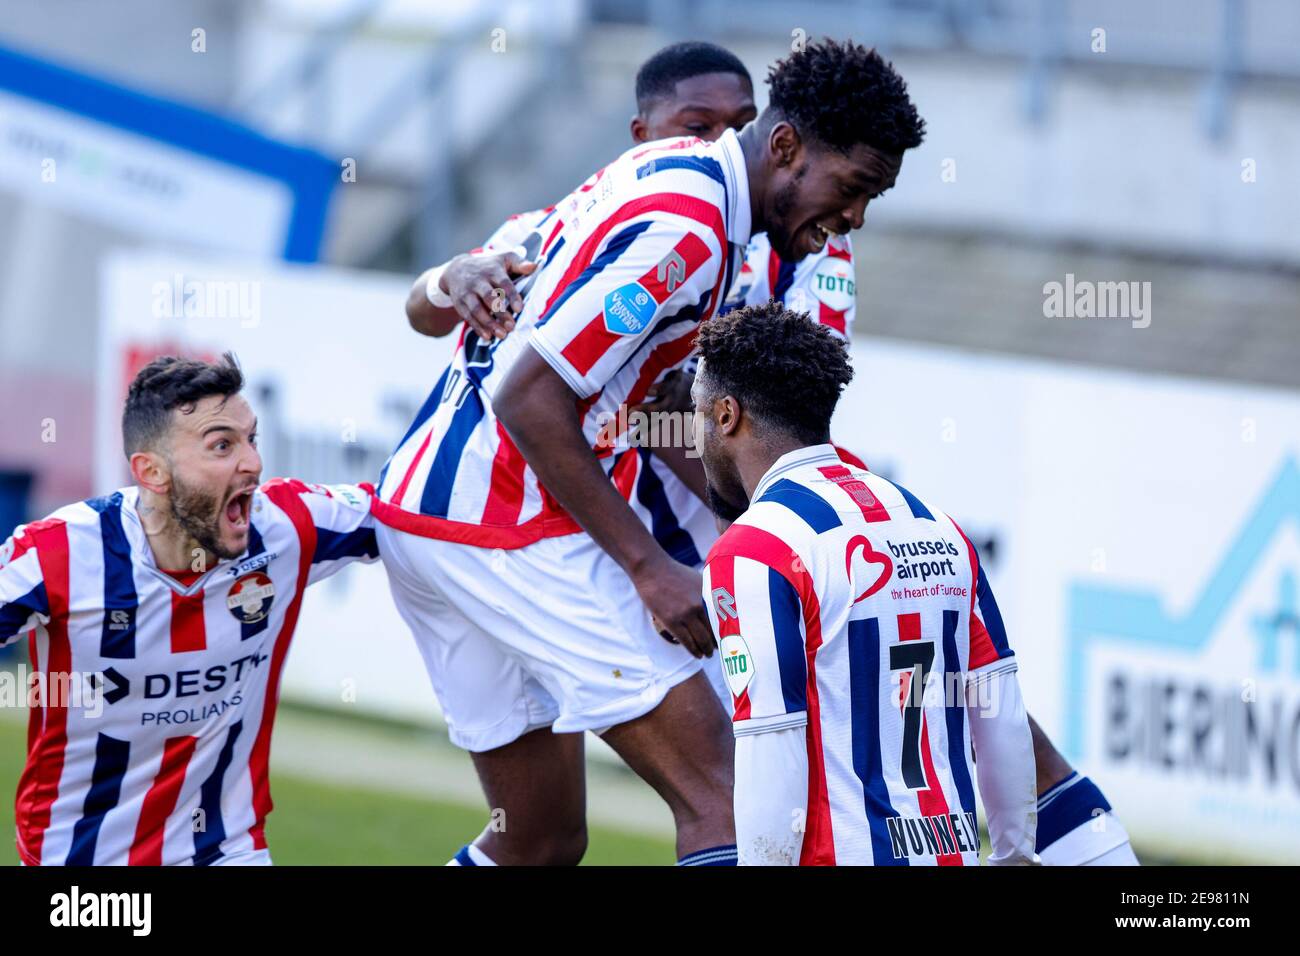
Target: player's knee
(704, 791)
(709, 797)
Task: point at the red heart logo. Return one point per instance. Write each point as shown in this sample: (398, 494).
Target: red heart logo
(869, 556)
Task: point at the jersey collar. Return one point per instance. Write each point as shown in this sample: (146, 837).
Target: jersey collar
(139, 543)
(799, 458)
(739, 221)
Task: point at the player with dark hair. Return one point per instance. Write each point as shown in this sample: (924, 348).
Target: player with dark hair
(685, 89)
(692, 89)
(536, 594)
(858, 693)
(159, 618)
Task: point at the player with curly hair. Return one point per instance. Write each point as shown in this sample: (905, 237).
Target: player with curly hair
(858, 693)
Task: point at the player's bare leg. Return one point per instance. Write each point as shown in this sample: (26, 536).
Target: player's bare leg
(683, 748)
(1076, 826)
(539, 784)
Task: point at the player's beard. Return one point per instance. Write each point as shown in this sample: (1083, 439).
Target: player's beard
(721, 507)
(198, 514)
(778, 232)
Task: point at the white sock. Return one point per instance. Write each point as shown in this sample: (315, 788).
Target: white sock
(1102, 841)
(1076, 827)
(470, 855)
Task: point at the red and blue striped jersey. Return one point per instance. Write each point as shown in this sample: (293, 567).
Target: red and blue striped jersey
(822, 284)
(631, 262)
(153, 697)
(844, 604)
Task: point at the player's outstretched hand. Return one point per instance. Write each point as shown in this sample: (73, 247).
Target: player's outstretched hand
(483, 293)
(671, 592)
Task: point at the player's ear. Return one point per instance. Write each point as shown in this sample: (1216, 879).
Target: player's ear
(727, 410)
(150, 471)
(784, 143)
(640, 132)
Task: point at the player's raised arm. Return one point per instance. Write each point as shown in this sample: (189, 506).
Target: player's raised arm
(999, 727)
(24, 602)
(334, 520)
(757, 615)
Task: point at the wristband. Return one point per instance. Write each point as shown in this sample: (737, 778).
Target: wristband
(433, 290)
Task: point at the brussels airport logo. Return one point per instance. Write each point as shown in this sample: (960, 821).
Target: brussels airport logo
(1208, 699)
(1082, 299)
(236, 299)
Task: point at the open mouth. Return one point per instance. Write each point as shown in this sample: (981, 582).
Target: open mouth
(238, 508)
(819, 235)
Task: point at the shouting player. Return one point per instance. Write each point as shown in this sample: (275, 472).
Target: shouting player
(160, 616)
(536, 595)
(857, 696)
(699, 89)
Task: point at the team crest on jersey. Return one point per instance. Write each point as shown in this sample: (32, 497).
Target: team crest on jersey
(628, 309)
(737, 663)
(250, 598)
(869, 570)
(832, 283)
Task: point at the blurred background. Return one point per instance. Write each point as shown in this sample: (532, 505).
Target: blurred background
(1078, 330)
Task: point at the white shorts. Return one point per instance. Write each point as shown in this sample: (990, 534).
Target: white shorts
(552, 634)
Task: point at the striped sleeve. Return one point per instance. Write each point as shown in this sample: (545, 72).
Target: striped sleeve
(342, 526)
(831, 285)
(821, 285)
(757, 616)
(990, 651)
(623, 283)
(23, 601)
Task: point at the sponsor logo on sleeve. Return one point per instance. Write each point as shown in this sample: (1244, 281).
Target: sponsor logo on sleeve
(629, 309)
(347, 494)
(737, 663)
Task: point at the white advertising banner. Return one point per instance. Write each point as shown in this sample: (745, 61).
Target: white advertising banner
(1146, 548)
(156, 168)
(137, 184)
